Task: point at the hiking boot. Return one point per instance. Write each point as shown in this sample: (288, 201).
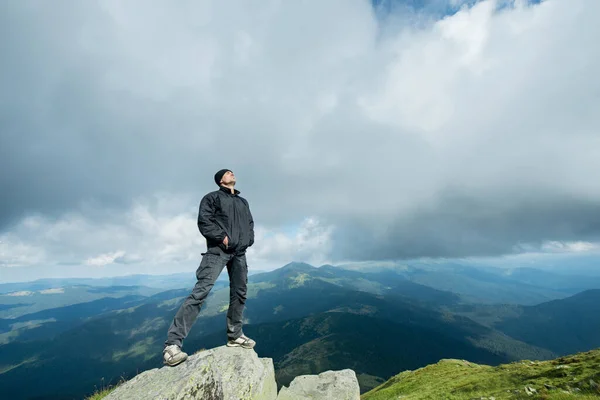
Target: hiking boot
(172, 355)
(243, 341)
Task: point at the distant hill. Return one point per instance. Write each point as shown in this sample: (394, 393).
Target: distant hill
(306, 318)
(20, 303)
(169, 281)
(383, 282)
(47, 323)
(564, 326)
(486, 285)
(374, 348)
(563, 281)
(122, 342)
(163, 282)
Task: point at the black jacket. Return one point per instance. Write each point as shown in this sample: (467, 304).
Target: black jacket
(225, 214)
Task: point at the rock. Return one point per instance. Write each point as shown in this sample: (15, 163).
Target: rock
(549, 387)
(594, 385)
(339, 385)
(530, 391)
(222, 373)
(226, 373)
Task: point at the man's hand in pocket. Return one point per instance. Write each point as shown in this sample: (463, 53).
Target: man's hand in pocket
(226, 241)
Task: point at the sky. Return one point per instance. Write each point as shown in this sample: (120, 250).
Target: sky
(358, 131)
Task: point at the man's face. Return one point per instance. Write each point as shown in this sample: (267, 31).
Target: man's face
(228, 178)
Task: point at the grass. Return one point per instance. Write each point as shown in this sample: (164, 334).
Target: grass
(299, 280)
(105, 391)
(139, 348)
(100, 394)
(563, 378)
(6, 368)
(570, 377)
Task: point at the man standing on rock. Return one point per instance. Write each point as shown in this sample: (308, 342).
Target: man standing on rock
(227, 224)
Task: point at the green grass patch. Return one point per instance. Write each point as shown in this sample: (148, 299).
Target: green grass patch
(141, 348)
(6, 368)
(562, 378)
(299, 280)
(255, 288)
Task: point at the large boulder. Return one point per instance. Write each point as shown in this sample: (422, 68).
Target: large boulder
(222, 373)
(339, 385)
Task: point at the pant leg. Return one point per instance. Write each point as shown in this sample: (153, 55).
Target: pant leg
(207, 273)
(238, 281)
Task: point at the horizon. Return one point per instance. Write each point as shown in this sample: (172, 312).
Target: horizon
(588, 268)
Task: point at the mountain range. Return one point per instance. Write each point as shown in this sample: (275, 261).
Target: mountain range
(377, 321)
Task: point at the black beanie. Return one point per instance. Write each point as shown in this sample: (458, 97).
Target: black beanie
(219, 176)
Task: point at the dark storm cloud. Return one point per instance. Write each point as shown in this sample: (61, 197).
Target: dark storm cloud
(460, 226)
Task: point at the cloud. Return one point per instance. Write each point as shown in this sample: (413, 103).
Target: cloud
(104, 259)
(408, 134)
(310, 243)
(153, 236)
(16, 253)
(576, 247)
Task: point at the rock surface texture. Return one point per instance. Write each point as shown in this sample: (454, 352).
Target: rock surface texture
(339, 385)
(233, 373)
(222, 373)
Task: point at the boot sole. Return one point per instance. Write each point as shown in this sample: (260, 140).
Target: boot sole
(239, 345)
(175, 363)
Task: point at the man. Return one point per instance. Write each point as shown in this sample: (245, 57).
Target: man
(225, 221)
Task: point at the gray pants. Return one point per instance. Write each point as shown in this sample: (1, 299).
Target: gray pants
(213, 262)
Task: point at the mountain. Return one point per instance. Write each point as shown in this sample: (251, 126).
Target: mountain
(161, 282)
(280, 303)
(472, 284)
(291, 324)
(573, 376)
(169, 281)
(102, 347)
(374, 348)
(16, 304)
(20, 298)
(208, 375)
(96, 349)
(573, 283)
(305, 318)
(47, 323)
(569, 264)
(564, 326)
(383, 282)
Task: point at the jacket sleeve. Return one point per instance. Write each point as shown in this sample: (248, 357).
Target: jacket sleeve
(250, 225)
(206, 220)
(251, 228)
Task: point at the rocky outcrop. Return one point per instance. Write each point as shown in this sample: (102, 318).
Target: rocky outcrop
(222, 373)
(339, 385)
(226, 373)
